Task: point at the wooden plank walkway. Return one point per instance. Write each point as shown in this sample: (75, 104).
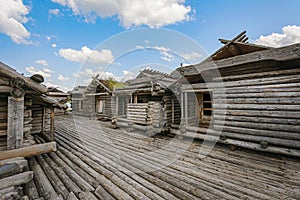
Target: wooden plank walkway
(96, 162)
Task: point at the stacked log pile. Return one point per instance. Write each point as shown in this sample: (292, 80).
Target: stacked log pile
(94, 165)
(138, 113)
(14, 175)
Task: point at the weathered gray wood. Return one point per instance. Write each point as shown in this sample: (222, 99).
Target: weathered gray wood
(5, 89)
(29, 151)
(31, 190)
(30, 83)
(276, 55)
(52, 125)
(44, 188)
(53, 178)
(15, 122)
(257, 107)
(261, 74)
(101, 193)
(87, 196)
(72, 196)
(16, 180)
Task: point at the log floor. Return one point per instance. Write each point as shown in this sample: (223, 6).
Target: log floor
(93, 161)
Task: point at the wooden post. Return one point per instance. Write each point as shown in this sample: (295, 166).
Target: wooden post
(117, 106)
(52, 125)
(186, 108)
(135, 98)
(15, 117)
(173, 110)
(182, 106)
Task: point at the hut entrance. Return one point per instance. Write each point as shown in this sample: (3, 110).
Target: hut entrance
(204, 109)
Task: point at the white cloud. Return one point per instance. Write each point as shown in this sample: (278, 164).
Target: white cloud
(48, 38)
(86, 73)
(193, 56)
(155, 13)
(54, 12)
(127, 75)
(49, 83)
(163, 51)
(53, 45)
(12, 17)
(85, 54)
(46, 73)
(62, 78)
(290, 35)
(42, 62)
(85, 76)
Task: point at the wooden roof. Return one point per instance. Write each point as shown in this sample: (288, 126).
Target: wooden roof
(40, 91)
(146, 80)
(254, 59)
(237, 46)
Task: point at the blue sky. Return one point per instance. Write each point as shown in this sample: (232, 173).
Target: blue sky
(69, 41)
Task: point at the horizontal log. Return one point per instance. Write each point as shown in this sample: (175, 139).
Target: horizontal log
(258, 119)
(16, 180)
(260, 126)
(258, 95)
(251, 131)
(260, 74)
(239, 143)
(255, 100)
(257, 107)
(29, 150)
(239, 90)
(260, 82)
(258, 113)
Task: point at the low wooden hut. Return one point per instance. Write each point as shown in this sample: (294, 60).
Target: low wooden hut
(245, 95)
(93, 100)
(25, 110)
(147, 102)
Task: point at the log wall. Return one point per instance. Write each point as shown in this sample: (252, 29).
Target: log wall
(261, 108)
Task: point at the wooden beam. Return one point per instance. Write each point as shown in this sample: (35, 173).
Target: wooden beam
(28, 151)
(16, 180)
(52, 125)
(186, 107)
(15, 112)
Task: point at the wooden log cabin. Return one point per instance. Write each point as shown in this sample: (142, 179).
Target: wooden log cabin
(93, 100)
(25, 109)
(244, 95)
(147, 102)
